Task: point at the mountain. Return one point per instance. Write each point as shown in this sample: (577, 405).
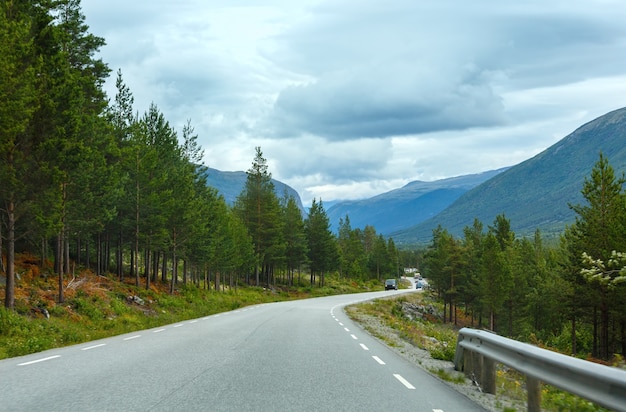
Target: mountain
(535, 194)
(230, 185)
(407, 206)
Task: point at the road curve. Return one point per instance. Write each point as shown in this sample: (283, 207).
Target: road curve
(304, 355)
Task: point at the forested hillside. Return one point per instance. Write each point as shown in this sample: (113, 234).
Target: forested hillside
(90, 182)
(536, 193)
(572, 297)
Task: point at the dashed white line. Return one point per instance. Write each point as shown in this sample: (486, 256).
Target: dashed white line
(340, 324)
(354, 337)
(403, 381)
(437, 410)
(94, 346)
(193, 321)
(346, 329)
(39, 360)
(158, 330)
(132, 337)
(377, 359)
(364, 347)
(179, 325)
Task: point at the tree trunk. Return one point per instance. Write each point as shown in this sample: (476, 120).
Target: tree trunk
(2, 267)
(98, 255)
(120, 257)
(604, 329)
(147, 269)
(59, 265)
(174, 272)
(594, 351)
(9, 299)
(574, 346)
(164, 269)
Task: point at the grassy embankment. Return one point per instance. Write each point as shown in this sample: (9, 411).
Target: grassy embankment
(96, 307)
(431, 334)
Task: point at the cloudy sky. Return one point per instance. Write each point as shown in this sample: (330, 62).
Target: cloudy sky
(351, 98)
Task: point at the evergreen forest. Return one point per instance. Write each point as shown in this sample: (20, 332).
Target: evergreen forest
(570, 295)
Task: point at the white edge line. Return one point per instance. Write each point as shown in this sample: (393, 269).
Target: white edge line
(94, 346)
(39, 360)
(132, 337)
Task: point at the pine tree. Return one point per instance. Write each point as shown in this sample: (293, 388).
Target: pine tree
(18, 103)
(321, 241)
(259, 208)
(294, 235)
(598, 231)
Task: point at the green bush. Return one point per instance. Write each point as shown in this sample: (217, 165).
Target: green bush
(86, 307)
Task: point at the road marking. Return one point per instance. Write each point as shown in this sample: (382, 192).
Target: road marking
(346, 329)
(158, 330)
(354, 337)
(379, 360)
(364, 347)
(39, 360)
(403, 381)
(437, 410)
(179, 325)
(340, 324)
(93, 347)
(132, 337)
(193, 321)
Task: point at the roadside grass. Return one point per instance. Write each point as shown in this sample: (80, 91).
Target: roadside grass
(428, 332)
(97, 307)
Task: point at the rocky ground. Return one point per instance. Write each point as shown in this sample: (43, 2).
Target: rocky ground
(422, 359)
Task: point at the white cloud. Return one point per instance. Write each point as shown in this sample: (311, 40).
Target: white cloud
(350, 98)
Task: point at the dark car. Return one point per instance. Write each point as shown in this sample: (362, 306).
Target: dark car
(391, 284)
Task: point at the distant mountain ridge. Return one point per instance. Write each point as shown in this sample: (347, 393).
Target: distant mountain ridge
(409, 205)
(536, 193)
(231, 184)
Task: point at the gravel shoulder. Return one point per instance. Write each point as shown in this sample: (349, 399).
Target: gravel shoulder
(421, 358)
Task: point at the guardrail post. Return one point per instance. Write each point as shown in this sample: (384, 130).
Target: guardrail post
(468, 362)
(533, 388)
(488, 375)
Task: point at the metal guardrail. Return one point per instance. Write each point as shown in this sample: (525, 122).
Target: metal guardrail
(477, 353)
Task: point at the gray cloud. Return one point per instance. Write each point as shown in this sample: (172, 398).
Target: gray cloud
(353, 97)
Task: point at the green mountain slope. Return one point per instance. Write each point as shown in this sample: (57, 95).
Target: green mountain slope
(406, 206)
(535, 193)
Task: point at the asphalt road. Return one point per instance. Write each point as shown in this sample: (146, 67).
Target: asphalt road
(291, 356)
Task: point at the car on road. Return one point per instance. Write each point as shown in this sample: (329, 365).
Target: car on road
(391, 284)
